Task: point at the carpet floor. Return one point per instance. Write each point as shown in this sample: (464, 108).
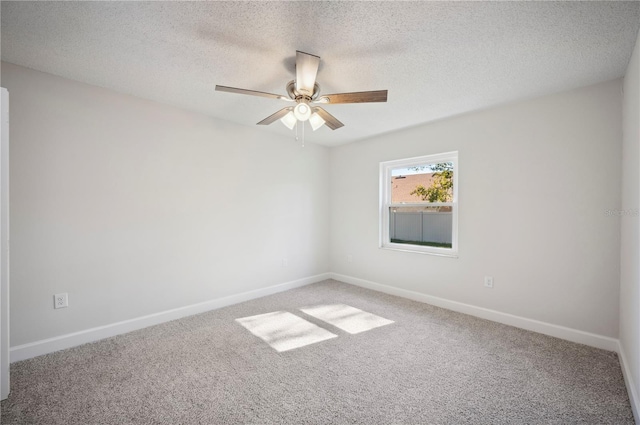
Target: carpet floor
(429, 366)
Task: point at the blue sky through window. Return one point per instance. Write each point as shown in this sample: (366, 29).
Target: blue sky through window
(421, 169)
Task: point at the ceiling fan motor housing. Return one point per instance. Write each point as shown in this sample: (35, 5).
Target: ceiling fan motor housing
(302, 96)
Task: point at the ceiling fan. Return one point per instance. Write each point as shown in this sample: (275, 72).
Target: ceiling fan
(305, 92)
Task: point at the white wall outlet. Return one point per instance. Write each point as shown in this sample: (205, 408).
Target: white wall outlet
(61, 300)
(285, 262)
(349, 258)
(488, 281)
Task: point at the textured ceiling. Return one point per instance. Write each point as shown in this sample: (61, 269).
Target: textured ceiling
(437, 59)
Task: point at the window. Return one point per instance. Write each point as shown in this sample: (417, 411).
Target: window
(419, 204)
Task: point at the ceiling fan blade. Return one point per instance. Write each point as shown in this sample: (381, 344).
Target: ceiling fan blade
(275, 117)
(306, 71)
(331, 121)
(251, 92)
(355, 97)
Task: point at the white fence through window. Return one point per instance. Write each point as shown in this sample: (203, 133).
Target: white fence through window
(421, 226)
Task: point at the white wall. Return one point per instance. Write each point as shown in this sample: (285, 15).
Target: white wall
(630, 228)
(134, 207)
(4, 241)
(535, 180)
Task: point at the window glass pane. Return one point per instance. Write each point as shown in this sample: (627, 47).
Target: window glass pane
(418, 204)
(425, 226)
(422, 183)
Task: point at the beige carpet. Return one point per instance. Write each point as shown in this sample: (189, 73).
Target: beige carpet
(429, 366)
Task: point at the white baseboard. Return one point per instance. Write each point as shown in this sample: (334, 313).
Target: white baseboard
(629, 382)
(574, 335)
(37, 348)
(557, 331)
(569, 334)
(27, 351)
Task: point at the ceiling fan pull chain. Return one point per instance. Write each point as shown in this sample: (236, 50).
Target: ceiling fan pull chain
(303, 134)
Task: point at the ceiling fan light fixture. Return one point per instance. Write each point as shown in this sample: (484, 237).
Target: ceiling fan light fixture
(289, 120)
(316, 121)
(305, 92)
(302, 111)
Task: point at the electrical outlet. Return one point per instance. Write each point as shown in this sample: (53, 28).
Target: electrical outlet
(488, 281)
(285, 262)
(349, 258)
(61, 300)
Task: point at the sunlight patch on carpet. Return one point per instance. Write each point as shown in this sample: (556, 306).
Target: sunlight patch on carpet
(347, 318)
(284, 331)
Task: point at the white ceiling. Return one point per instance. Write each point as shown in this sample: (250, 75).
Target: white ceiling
(437, 59)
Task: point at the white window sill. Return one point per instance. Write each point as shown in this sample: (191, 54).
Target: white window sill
(404, 248)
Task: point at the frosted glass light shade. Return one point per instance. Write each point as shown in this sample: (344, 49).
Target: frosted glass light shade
(289, 120)
(316, 121)
(302, 111)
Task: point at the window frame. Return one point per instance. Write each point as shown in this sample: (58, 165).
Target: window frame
(386, 168)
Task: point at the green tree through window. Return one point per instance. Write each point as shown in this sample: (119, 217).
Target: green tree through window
(441, 188)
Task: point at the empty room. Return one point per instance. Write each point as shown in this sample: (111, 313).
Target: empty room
(320, 212)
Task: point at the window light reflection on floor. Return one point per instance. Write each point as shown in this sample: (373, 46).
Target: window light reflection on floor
(347, 318)
(284, 331)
